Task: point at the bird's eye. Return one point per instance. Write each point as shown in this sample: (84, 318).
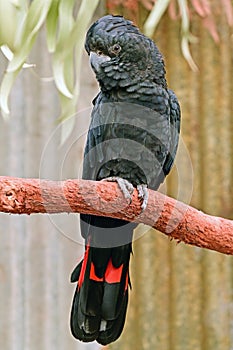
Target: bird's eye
(116, 49)
(99, 52)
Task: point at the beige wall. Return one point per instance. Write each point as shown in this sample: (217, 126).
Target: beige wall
(182, 297)
(38, 253)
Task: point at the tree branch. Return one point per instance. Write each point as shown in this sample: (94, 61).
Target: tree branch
(171, 217)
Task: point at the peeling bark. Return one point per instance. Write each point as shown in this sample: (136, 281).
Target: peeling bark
(171, 217)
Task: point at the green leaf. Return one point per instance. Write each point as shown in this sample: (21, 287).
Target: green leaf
(71, 36)
(63, 61)
(5, 88)
(66, 23)
(9, 55)
(78, 36)
(186, 35)
(187, 54)
(59, 76)
(34, 19)
(155, 15)
(51, 25)
(8, 23)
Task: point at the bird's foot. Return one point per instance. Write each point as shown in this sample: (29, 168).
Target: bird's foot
(125, 186)
(143, 195)
(127, 189)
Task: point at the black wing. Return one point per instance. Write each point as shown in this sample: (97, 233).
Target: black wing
(175, 130)
(131, 140)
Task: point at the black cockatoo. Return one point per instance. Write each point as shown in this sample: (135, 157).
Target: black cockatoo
(132, 139)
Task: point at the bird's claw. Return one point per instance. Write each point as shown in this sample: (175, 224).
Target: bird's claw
(127, 189)
(125, 186)
(143, 195)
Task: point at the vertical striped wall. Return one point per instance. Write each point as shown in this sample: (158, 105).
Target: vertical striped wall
(38, 253)
(182, 296)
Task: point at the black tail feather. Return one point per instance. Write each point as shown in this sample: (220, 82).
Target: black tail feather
(115, 327)
(99, 304)
(79, 322)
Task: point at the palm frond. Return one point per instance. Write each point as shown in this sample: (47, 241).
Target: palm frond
(65, 38)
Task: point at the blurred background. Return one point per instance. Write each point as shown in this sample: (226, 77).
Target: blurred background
(182, 296)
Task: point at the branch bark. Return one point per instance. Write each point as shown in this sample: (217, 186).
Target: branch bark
(171, 217)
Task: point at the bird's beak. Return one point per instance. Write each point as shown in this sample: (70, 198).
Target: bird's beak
(96, 60)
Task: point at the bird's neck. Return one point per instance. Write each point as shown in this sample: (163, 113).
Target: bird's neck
(135, 92)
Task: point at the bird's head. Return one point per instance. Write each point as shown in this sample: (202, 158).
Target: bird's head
(121, 55)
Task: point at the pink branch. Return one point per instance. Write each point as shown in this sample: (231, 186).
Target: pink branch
(171, 217)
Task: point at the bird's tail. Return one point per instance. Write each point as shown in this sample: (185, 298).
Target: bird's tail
(101, 297)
